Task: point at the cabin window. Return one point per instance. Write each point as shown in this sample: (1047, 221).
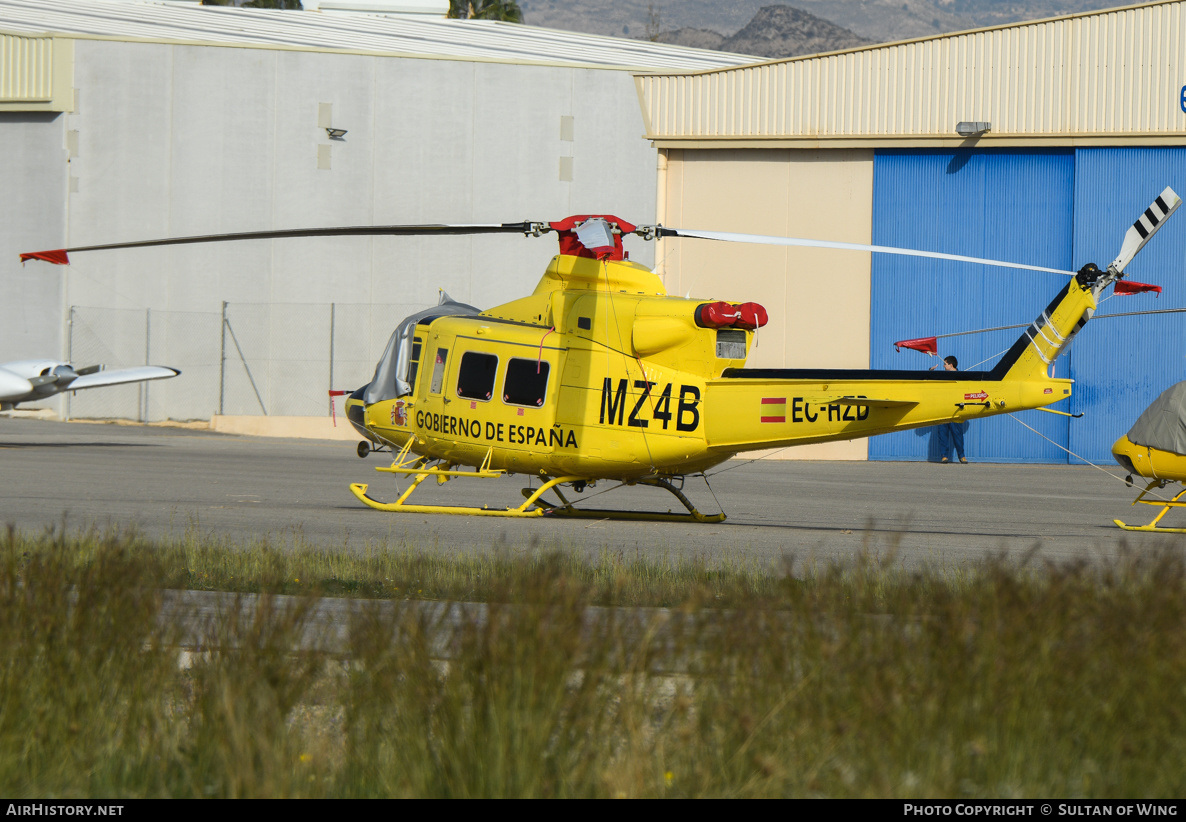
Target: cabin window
(526, 383)
(475, 377)
(730, 344)
(438, 370)
(414, 362)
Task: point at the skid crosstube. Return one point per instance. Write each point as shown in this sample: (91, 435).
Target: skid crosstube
(570, 510)
(1166, 506)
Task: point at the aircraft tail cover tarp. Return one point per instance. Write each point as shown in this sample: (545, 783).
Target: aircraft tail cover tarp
(1163, 425)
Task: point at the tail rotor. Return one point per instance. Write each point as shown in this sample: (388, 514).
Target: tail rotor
(1148, 224)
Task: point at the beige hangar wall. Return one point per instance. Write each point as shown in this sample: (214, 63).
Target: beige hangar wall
(818, 299)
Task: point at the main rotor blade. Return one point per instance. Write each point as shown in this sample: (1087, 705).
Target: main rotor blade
(59, 256)
(763, 239)
(1024, 325)
(1145, 227)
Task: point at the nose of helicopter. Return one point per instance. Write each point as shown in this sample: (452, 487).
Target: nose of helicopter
(1146, 461)
(356, 413)
(1131, 457)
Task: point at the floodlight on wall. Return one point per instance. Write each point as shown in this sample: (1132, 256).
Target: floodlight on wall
(967, 129)
(336, 133)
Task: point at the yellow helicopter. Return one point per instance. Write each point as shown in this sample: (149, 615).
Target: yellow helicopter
(1155, 448)
(599, 374)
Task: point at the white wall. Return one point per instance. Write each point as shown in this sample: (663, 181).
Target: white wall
(177, 140)
(33, 179)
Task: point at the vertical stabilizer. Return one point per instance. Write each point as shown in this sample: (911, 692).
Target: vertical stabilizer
(1051, 333)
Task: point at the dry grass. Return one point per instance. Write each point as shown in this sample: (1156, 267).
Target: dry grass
(853, 681)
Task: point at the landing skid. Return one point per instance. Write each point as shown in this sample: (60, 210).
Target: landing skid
(1166, 506)
(533, 505)
(567, 509)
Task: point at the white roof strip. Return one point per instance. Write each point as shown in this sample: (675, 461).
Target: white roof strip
(464, 39)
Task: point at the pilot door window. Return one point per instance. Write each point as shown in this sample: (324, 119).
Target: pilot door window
(438, 371)
(414, 362)
(526, 383)
(475, 377)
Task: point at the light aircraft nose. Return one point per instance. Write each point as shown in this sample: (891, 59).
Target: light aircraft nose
(13, 387)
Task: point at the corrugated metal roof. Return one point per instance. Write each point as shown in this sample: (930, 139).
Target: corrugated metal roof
(273, 28)
(28, 73)
(1098, 76)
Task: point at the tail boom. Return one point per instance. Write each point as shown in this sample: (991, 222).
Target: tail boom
(751, 409)
(751, 414)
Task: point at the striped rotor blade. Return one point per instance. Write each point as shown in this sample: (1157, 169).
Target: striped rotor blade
(1145, 227)
(763, 239)
(59, 256)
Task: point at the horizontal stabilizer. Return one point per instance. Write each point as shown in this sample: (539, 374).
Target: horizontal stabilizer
(123, 375)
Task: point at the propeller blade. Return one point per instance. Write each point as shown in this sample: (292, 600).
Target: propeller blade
(1145, 227)
(60, 256)
(763, 239)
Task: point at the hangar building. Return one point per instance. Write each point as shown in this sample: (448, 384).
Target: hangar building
(124, 120)
(1038, 143)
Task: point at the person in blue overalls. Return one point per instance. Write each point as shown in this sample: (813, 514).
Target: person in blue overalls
(951, 434)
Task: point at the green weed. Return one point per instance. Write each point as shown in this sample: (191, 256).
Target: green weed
(855, 680)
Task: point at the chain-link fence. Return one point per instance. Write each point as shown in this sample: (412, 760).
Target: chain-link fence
(252, 359)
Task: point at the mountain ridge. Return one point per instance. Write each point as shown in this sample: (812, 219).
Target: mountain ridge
(776, 31)
(877, 21)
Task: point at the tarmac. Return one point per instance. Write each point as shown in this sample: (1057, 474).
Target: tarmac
(166, 482)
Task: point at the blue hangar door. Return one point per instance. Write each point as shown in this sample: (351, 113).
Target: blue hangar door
(1004, 205)
(1121, 365)
(1061, 209)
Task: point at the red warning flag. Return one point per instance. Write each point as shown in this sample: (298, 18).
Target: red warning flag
(57, 257)
(1130, 287)
(333, 411)
(927, 345)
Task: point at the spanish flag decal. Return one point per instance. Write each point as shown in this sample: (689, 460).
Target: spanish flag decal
(774, 409)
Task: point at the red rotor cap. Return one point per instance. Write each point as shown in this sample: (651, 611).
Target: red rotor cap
(570, 245)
